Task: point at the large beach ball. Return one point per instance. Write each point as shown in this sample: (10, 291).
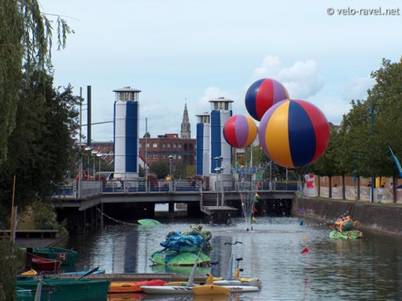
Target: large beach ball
(293, 133)
(240, 131)
(262, 95)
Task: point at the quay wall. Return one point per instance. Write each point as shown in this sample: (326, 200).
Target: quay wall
(373, 217)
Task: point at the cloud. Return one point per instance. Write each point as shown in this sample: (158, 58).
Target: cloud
(301, 79)
(357, 88)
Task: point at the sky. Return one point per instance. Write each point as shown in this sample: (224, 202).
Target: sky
(178, 51)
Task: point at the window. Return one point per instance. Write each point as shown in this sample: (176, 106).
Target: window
(155, 145)
(174, 145)
(147, 144)
(179, 156)
(163, 145)
(168, 145)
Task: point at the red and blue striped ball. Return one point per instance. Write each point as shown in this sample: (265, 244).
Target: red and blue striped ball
(293, 133)
(262, 95)
(239, 131)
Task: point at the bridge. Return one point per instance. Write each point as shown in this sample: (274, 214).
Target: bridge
(89, 199)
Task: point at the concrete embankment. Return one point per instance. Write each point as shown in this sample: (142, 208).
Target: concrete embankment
(373, 217)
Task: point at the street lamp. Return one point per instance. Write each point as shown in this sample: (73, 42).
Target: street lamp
(94, 152)
(99, 155)
(170, 165)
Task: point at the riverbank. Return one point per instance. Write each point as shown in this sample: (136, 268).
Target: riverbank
(373, 217)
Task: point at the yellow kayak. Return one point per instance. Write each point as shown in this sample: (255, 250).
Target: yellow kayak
(210, 289)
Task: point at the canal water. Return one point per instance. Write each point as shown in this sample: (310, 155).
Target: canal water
(366, 269)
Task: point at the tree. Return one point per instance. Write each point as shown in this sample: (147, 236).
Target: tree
(25, 46)
(161, 169)
(41, 143)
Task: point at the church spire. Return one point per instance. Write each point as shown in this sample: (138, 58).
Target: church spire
(185, 131)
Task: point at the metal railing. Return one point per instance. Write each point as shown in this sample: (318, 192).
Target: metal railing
(85, 189)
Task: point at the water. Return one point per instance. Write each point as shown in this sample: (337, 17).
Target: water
(366, 269)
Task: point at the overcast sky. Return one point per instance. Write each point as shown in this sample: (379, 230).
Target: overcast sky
(195, 50)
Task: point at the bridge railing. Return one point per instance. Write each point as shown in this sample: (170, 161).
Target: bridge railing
(78, 189)
(139, 185)
(85, 189)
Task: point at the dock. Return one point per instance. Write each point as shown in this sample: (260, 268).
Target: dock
(32, 238)
(133, 277)
(219, 214)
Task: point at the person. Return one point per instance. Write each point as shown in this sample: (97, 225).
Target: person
(380, 193)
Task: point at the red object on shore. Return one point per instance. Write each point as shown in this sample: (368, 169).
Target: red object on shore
(44, 264)
(305, 251)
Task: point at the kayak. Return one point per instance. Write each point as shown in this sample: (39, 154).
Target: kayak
(166, 290)
(67, 257)
(133, 286)
(25, 295)
(44, 264)
(353, 234)
(66, 289)
(210, 289)
(241, 282)
(126, 297)
(242, 288)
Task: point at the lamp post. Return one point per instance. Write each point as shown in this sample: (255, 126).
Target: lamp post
(88, 149)
(218, 169)
(170, 171)
(94, 152)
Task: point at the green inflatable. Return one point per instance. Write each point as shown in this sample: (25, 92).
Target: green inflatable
(353, 234)
(181, 259)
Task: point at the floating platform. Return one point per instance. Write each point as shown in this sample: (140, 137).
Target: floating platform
(219, 214)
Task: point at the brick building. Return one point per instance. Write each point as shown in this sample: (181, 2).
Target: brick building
(160, 148)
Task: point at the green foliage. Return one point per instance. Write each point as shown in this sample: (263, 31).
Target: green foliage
(42, 141)
(44, 217)
(161, 169)
(25, 47)
(359, 146)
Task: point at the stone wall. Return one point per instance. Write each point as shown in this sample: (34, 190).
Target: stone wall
(383, 218)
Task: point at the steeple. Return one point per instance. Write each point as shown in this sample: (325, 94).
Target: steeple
(185, 131)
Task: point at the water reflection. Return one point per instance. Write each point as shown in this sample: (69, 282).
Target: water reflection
(367, 269)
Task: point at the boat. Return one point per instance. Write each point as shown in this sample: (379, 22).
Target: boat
(133, 286)
(167, 290)
(67, 257)
(42, 264)
(148, 222)
(210, 289)
(242, 288)
(126, 297)
(54, 289)
(81, 273)
(236, 282)
(353, 234)
(25, 295)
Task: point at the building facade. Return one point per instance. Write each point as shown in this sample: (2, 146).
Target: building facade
(202, 152)
(182, 151)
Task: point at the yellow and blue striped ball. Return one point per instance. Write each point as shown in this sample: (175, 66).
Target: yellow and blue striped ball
(293, 133)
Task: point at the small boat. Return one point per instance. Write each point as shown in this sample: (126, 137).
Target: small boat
(148, 222)
(44, 264)
(353, 234)
(126, 297)
(133, 286)
(236, 282)
(66, 289)
(242, 288)
(67, 257)
(166, 290)
(81, 273)
(210, 289)
(25, 295)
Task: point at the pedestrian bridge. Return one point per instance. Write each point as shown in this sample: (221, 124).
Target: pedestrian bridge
(86, 194)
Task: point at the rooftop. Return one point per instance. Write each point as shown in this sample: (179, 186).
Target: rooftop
(126, 89)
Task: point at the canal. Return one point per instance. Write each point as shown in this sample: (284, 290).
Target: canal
(366, 269)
